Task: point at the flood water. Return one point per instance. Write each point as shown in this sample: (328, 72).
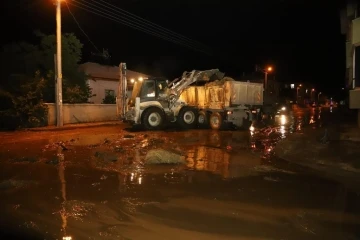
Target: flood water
(95, 184)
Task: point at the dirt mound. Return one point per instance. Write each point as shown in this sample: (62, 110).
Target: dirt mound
(219, 82)
(161, 156)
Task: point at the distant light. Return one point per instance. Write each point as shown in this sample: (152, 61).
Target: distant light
(300, 85)
(313, 90)
(283, 108)
(67, 238)
(252, 128)
(282, 119)
(292, 86)
(343, 88)
(132, 80)
(141, 79)
(269, 69)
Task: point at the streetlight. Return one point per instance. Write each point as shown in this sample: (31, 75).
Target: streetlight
(297, 93)
(141, 79)
(58, 96)
(266, 71)
(269, 69)
(132, 80)
(312, 91)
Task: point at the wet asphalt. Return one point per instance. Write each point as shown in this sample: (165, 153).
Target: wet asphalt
(94, 183)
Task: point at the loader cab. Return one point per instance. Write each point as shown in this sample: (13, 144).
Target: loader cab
(150, 89)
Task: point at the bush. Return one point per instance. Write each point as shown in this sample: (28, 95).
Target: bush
(109, 99)
(27, 108)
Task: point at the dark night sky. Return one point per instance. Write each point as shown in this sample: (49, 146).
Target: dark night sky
(301, 39)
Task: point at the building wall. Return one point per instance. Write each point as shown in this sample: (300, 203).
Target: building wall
(98, 88)
(83, 113)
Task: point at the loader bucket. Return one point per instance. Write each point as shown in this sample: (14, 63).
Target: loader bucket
(210, 75)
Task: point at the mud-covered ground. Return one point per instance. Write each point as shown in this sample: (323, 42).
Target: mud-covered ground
(107, 183)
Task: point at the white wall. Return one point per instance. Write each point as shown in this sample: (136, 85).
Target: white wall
(99, 86)
(83, 113)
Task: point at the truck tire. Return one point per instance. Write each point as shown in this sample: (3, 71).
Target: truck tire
(203, 119)
(216, 121)
(153, 118)
(187, 118)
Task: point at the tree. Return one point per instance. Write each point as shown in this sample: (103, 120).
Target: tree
(26, 59)
(27, 78)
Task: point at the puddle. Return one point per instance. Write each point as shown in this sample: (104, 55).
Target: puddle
(123, 186)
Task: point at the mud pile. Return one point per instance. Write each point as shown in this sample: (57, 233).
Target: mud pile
(219, 82)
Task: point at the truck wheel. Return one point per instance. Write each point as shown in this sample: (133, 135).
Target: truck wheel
(203, 119)
(153, 119)
(216, 121)
(187, 118)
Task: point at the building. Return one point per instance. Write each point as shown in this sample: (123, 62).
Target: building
(104, 80)
(350, 27)
(302, 93)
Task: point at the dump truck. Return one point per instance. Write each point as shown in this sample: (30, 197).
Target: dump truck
(196, 99)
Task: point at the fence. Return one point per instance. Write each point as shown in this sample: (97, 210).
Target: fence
(83, 113)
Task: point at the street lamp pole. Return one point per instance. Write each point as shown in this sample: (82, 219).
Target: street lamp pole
(266, 79)
(59, 103)
(319, 96)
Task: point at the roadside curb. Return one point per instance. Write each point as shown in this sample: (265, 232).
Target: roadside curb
(73, 126)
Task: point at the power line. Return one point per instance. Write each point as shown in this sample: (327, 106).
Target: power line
(147, 22)
(81, 28)
(110, 16)
(137, 25)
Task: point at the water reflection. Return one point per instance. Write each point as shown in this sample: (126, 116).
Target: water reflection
(63, 212)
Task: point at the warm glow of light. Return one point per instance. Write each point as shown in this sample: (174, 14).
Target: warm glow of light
(269, 69)
(67, 238)
(283, 120)
(252, 128)
(132, 80)
(313, 90)
(141, 79)
(300, 85)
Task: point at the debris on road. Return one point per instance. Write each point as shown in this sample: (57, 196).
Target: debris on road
(161, 156)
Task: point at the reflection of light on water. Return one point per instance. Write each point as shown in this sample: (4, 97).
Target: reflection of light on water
(209, 159)
(252, 129)
(63, 191)
(312, 120)
(282, 131)
(331, 109)
(132, 177)
(282, 119)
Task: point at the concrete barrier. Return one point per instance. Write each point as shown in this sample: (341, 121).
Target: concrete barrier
(83, 113)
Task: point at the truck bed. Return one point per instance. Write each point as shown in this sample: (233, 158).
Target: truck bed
(224, 94)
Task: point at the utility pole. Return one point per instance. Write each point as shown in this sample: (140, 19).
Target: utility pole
(59, 102)
(266, 81)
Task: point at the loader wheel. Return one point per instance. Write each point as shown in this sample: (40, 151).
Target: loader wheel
(153, 119)
(216, 121)
(203, 119)
(187, 118)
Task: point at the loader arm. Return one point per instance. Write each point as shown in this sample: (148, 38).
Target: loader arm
(180, 84)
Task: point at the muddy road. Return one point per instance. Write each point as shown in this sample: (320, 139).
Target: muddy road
(111, 183)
